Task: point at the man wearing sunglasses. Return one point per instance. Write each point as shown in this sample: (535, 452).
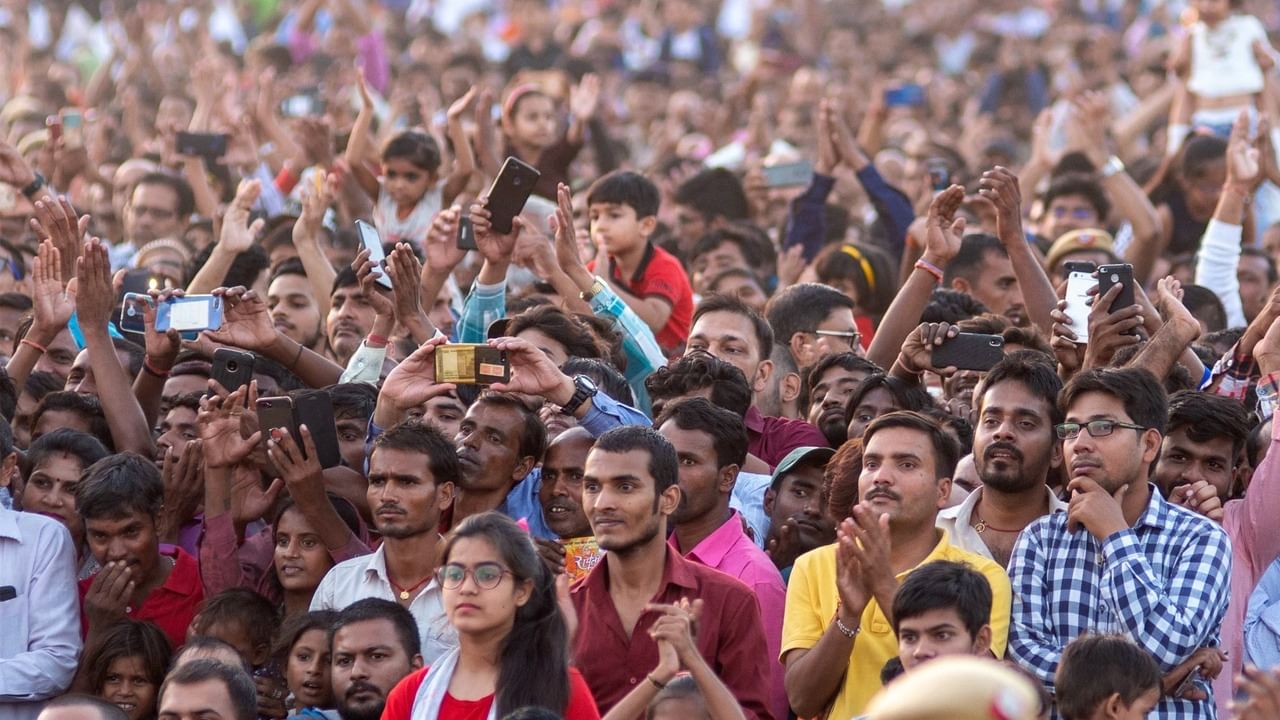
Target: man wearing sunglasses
(1121, 559)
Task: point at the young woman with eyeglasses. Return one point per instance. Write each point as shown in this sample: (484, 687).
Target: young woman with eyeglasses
(513, 644)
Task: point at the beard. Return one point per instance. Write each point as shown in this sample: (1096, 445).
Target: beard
(1008, 476)
(363, 711)
(646, 535)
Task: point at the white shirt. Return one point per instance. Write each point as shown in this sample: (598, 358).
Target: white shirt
(40, 628)
(366, 577)
(1222, 61)
(955, 520)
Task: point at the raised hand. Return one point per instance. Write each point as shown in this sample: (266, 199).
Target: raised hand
(54, 302)
(14, 170)
(462, 105)
(532, 372)
(851, 582)
(495, 248)
(1000, 186)
(1261, 690)
(316, 198)
(943, 230)
(917, 350)
(535, 251)
(1168, 303)
(1201, 497)
(1244, 164)
(162, 347)
(183, 476)
(677, 626)
(249, 500)
(56, 221)
(584, 98)
(220, 420)
(299, 467)
(566, 233)
(238, 234)
(413, 382)
(1111, 331)
(441, 245)
(246, 321)
(95, 295)
(406, 283)
(872, 551)
(367, 273)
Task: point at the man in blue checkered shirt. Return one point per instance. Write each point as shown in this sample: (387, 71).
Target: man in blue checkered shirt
(1121, 559)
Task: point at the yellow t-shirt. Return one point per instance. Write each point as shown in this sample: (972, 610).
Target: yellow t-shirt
(811, 604)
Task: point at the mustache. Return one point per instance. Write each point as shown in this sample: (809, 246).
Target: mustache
(360, 686)
(881, 492)
(1002, 447)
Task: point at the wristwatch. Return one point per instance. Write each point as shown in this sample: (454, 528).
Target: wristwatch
(1114, 166)
(597, 287)
(34, 187)
(584, 388)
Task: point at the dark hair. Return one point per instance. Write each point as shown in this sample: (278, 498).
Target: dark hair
(724, 303)
(623, 187)
(840, 478)
(1256, 442)
(1199, 151)
(534, 669)
(345, 278)
(245, 267)
(846, 360)
(578, 339)
(8, 395)
(533, 436)
(607, 377)
(7, 446)
(415, 146)
(944, 585)
(106, 710)
(15, 301)
(126, 638)
(905, 397)
(532, 713)
(802, 308)
(40, 383)
(190, 401)
(1144, 400)
(1034, 370)
(278, 232)
(715, 192)
(697, 371)
(1095, 667)
(951, 306)
(418, 437)
(346, 512)
(662, 455)
(713, 284)
(295, 626)
(353, 400)
(973, 253)
(870, 270)
(1083, 185)
(135, 352)
(681, 687)
(1248, 250)
(1206, 417)
(82, 446)
(118, 485)
(740, 236)
(288, 266)
(240, 688)
(86, 406)
(727, 431)
(179, 186)
(242, 606)
(378, 609)
(284, 377)
(1205, 305)
(607, 336)
(945, 452)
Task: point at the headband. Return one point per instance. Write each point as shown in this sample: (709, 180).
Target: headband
(867, 272)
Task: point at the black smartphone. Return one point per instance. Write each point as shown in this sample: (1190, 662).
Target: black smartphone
(233, 369)
(467, 364)
(509, 192)
(466, 235)
(138, 282)
(969, 351)
(796, 174)
(315, 410)
(276, 412)
(206, 145)
(1118, 274)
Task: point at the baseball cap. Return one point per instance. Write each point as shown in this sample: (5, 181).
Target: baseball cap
(1076, 240)
(959, 687)
(799, 455)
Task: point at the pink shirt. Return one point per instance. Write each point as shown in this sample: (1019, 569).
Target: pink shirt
(733, 553)
(1255, 543)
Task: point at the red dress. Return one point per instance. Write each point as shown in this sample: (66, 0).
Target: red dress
(400, 701)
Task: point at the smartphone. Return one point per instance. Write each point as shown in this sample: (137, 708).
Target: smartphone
(1080, 280)
(131, 313)
(509, 192)
(969, 351)
(1121, 274)
(276, 412)
(372, 242)
(466, 234)
(939, 176)
(72, 128)
(1192, 678)
(193, 313)
(302, 105)
(466, 364)
(908, 95)
(233, 369)
(205, 145)
(138, 282)
(315, 410)
(796, 174)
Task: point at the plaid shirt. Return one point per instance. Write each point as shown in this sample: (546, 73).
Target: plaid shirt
(1165, 583)
(1234, 374)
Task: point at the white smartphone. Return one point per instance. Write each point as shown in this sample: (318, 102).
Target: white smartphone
(193, 313)
(372, 242)
(1080, 280)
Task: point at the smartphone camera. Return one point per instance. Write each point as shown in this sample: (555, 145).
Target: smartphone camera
(233, 366)
(995, 343)
(517, 181)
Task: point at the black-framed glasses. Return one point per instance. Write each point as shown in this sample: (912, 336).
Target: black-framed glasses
(1096, 428)
(851, 336)
(488, 575)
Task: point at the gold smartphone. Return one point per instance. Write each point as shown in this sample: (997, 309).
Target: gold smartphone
(467, 364)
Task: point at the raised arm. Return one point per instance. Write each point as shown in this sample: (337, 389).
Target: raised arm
(464, 156)
(307, 232)
(360, 144)
(1174, 337)
(1001, 187)
(237, 235)
(1220, 248)
(247, 324)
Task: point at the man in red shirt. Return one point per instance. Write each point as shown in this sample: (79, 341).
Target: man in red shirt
(629, 491)
(120, 499)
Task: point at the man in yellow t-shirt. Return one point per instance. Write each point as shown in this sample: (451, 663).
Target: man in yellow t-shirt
(835, 635)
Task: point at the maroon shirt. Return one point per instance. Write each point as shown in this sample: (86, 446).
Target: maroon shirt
(730, 635)
(771, 438)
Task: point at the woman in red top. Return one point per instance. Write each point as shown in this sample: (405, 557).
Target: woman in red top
(513, 646)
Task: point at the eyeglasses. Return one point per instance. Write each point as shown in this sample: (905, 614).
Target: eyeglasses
(852, 336)
(488, 575)
(1077, 213)
(1096, 428)
(14, 267)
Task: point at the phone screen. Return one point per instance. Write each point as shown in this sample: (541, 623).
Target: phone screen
(372, 242)
(1079, 283)
(189, 315)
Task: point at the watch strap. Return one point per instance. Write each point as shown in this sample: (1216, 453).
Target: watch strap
(34, 187)
(582, 390)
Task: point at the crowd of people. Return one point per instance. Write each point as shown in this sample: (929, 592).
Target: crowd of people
(885, 359)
